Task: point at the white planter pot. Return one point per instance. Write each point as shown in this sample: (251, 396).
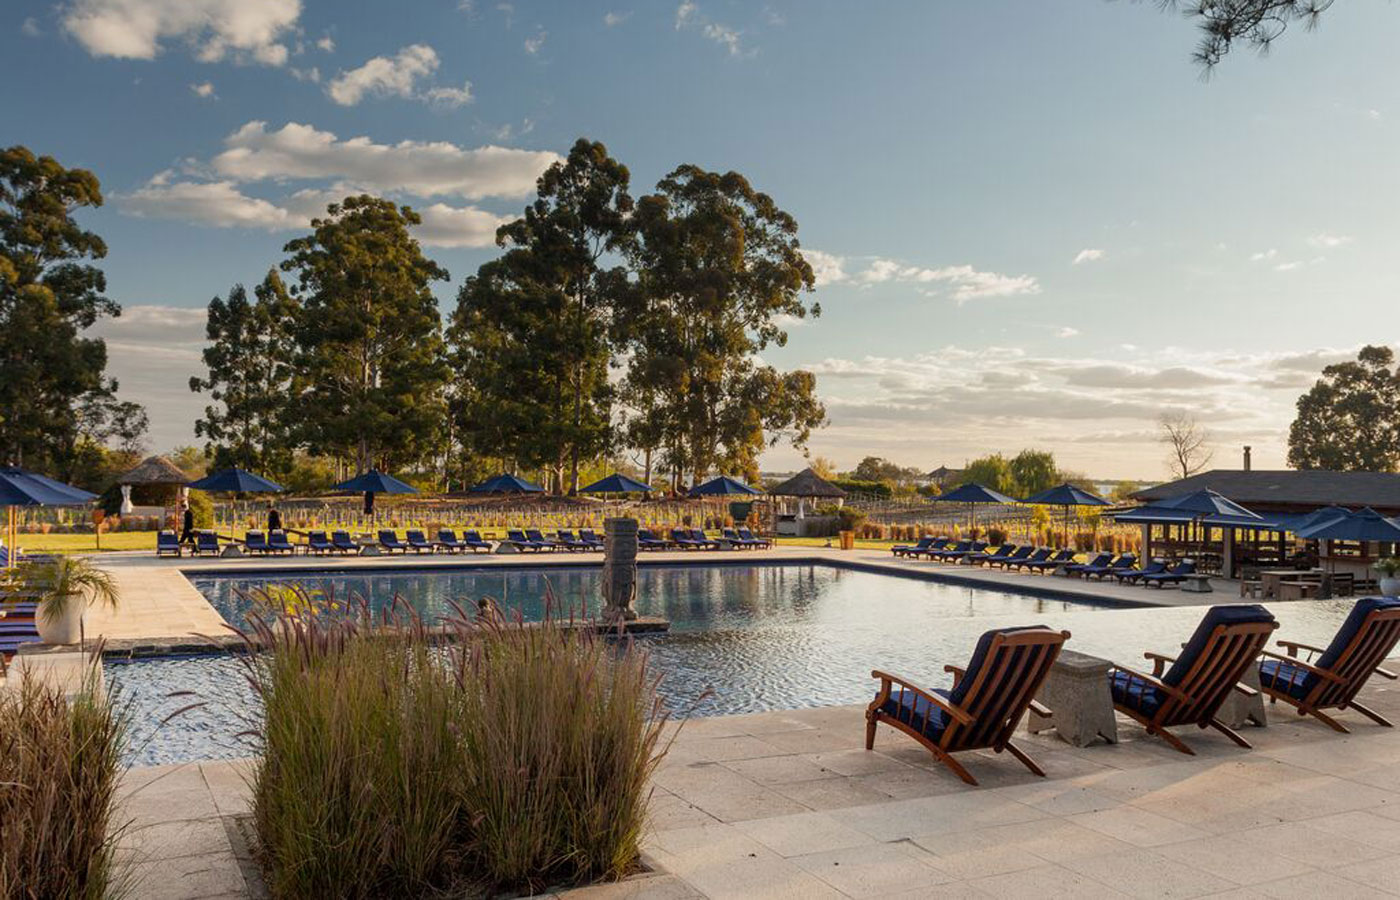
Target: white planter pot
(65, 629)
(1390, 587)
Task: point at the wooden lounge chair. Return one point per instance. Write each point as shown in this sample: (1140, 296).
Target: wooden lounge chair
(1226, 643)
(957, 551)
(565, 538)
(277, 543)
(1001, 553)
(682, 538)
(985, 705)
(537, 536)
(1018, 555)
(1100, 561)
(474, 540)
(447, 541)
(1174, 575)
(342, 542)
(206, 542)
(1332, 677)
(168, 542)
(1156, 567)
(256, 542)
(647, 540)
(589, 537)
(1050, 563)
(1123, 563)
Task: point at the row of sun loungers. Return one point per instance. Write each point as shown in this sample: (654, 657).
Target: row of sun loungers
(530, 540)
(992, 694)
(1011, 558)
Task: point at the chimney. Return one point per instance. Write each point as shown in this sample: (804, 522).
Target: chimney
(1246, 457)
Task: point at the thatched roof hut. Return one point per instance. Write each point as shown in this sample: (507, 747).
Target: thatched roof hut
(155, 470)
(807, 484)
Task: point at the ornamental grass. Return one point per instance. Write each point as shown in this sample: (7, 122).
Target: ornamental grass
(60, 763)
(489, 755)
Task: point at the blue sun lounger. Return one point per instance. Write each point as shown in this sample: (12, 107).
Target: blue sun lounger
(1048, 563)
(646, 540)
(759, 542)
(277, 543)
(1022, 554)
(447, 540)
(317, 543)
(1099, 560)
(341, 541)
(417, 541)
(538, 537)
(389, 541)
(565, 538)
(1122, 564)
(589, 537)
(1171, 576)
(982, 556)
(924, 544)
(517, 539)
(474, 540)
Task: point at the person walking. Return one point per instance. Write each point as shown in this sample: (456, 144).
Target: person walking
(187, 526)
(274, 519)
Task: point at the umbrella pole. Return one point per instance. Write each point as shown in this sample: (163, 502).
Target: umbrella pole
(10, 551)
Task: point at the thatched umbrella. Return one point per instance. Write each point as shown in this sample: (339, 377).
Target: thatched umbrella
(807, 485)
(153, 471)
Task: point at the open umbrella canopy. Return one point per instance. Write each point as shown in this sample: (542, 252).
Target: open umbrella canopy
(21, 488)
(236, 481)
(376, 482)
(1066, 495)
(1206, 503)
(1319, 516)
(507, 484)
(972, 492)
(1365, 525)
(722, 486)
(1156, 515)
(616, 483)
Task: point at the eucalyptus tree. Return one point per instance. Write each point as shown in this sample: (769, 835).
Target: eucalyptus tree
(249, 360)
(532, 332)
(717, 270)
(370, 367)
(54, 391)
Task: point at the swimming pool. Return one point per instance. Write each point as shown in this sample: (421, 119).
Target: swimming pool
(759, 637)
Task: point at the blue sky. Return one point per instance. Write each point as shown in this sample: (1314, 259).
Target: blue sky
(1035, 224)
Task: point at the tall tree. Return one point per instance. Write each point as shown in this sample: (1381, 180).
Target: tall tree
(992, 471)
(1186, 442)
(717, 268)
(249, 358)
(1350, 419)
(1254, 23)
(533, 327)
(54, 392)
(370, 368)
(1033, 471)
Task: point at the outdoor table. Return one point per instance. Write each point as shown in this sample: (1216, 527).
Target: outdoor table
(1081, 705)
(1269, 579)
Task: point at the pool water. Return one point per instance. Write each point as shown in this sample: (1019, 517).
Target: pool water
(756, 637)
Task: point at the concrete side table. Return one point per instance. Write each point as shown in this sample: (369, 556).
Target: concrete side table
(1238, 710)
(1076, 690)
(1196, 584)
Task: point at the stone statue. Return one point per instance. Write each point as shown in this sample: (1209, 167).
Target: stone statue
(619, 570)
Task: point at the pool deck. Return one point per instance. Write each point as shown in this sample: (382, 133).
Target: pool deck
(789, 804)
(160, 604)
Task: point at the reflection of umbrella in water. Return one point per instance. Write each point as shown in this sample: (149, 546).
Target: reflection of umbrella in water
(972, 494)
(21, 488)
(1066, 495)
(375, 482)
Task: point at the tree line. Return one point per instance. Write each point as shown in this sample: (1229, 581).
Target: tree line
(608, 325)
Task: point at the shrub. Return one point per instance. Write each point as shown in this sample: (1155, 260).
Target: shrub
(516, 758)
(60, 760)
(996, 536)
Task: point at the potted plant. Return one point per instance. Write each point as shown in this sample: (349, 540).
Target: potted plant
(850, 521)
(1388, 569)
(66, 586)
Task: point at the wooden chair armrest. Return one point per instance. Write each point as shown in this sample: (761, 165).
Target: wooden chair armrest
(958, 673)
(887, 680)
(1306, 666)
(1040, 709)
(1386, 673)
(1170, 691)
(1159, 661)
(1293, 647)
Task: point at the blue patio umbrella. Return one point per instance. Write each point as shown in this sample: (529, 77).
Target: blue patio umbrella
(21, 488)
(236, 481)
(972, 494)
(507, 484)
(1204, 507)
(374, 482)
(1318, 516)
(1066, 495)
(1207, 503)
(1364, 525)
(616, 483)
(723, 486)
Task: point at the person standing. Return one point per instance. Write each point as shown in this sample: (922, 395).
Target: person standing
(274, 519)
(187, 526)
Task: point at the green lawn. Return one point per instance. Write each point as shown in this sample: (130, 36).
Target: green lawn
(87, 543)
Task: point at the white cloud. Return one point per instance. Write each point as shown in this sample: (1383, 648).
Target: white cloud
(326, 44)
(534, 43)
(613, 19)
(508, 131)
(1373, 114)
(312, 74)
(965, 282)
(1287, 266)
(449, 96)
(688, 15)
(1263, 255)
(1088, 255)
(826, 267)
(423, 169)
(204, 89)
(246, 30)
(1329, 241)
(1067, 332)
(448, 226)
(30, 27)
(382, 76)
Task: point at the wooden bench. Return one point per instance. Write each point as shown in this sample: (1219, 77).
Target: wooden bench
(1298, 590)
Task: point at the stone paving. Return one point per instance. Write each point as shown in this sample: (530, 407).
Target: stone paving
(789, 804)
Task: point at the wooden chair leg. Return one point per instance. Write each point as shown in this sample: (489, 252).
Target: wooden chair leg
(870, 731)
(1329, 721)
(1025, 759)
(1370, 714)
(954, 765)
(1173, 740)
(1230, 733)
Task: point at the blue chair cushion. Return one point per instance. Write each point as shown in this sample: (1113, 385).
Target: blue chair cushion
(1292, 680)
(1135, 693)
(1347, 633)
(1232, 614)
(979, 657)
(916, 712)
